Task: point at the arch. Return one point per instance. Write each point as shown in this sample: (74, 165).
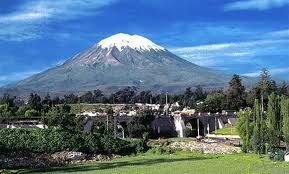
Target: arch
(192, 127)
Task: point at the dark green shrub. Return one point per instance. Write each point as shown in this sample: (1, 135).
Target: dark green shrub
(113, 145)
(276, 154)
(56, 140)
(34, 140)
(87, 142)
(140, 145)
(31, 113)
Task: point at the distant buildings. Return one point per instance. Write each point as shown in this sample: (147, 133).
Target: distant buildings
(24, 123)
(185, 111)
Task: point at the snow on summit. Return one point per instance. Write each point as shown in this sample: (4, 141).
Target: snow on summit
(121, 41)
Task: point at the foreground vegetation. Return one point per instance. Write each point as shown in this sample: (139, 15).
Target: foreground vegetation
(180, 162)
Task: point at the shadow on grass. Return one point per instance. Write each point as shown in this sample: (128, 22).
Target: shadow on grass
(111, 164)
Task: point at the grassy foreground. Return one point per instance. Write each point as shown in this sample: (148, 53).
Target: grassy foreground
(181, 162)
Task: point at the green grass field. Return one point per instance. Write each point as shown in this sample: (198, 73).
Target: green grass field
(179, 163)
(227, 131)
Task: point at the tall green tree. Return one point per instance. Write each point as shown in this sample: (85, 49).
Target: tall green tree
(266, 85)
(235, 94)
(256, 138)
(263, 129)
(245, 128)
(273, 120)
(263, 89)
(284, 111)
(259, 130)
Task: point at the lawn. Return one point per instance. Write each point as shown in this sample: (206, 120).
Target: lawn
(179, 163)
(228, 130)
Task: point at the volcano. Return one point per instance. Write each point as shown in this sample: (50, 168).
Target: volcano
(124, 60)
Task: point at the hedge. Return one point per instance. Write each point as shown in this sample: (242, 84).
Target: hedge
(56, 140)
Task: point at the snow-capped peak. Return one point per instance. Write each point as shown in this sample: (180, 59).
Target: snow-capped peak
(121, 41)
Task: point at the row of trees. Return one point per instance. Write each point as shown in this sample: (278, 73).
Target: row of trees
(263, 130)
(40, 106)
(235, 97)
(129, 95)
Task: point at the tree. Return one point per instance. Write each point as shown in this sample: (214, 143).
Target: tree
(5, 111)
(21, 111)
(125, 95)
(88, 97)
(98, 96)
(199, 94)
(266, 85)
(285, 118)
(59, 116)
(71, 99)
(245, 129)
(213, 103)
(263, 89)
(7, 106)
(140, 124)
(34, 102)
(273, 120)
(46, 104)
(284, 89)
(235, 94)
(259, 131)
(55, 101)
(188, 99)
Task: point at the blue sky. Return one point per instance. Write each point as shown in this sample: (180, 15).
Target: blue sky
(236, 36)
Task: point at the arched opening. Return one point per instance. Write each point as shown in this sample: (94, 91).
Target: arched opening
(192, 128)
(122, 129)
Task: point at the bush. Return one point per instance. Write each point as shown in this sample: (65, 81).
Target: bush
(56, 140)
(113, 145)
(276, 154)
(163, 150)
(31, 113)
(140, 145)
(35, 140)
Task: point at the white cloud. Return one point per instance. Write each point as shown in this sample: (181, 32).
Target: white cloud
(31, 18)
(273, 71)
(212, 47)
(278, 34)
(219, 54)
(23, 17)
(267, 50)
(252, 74)
(255, 4)
(238, 54)
(223, 46)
